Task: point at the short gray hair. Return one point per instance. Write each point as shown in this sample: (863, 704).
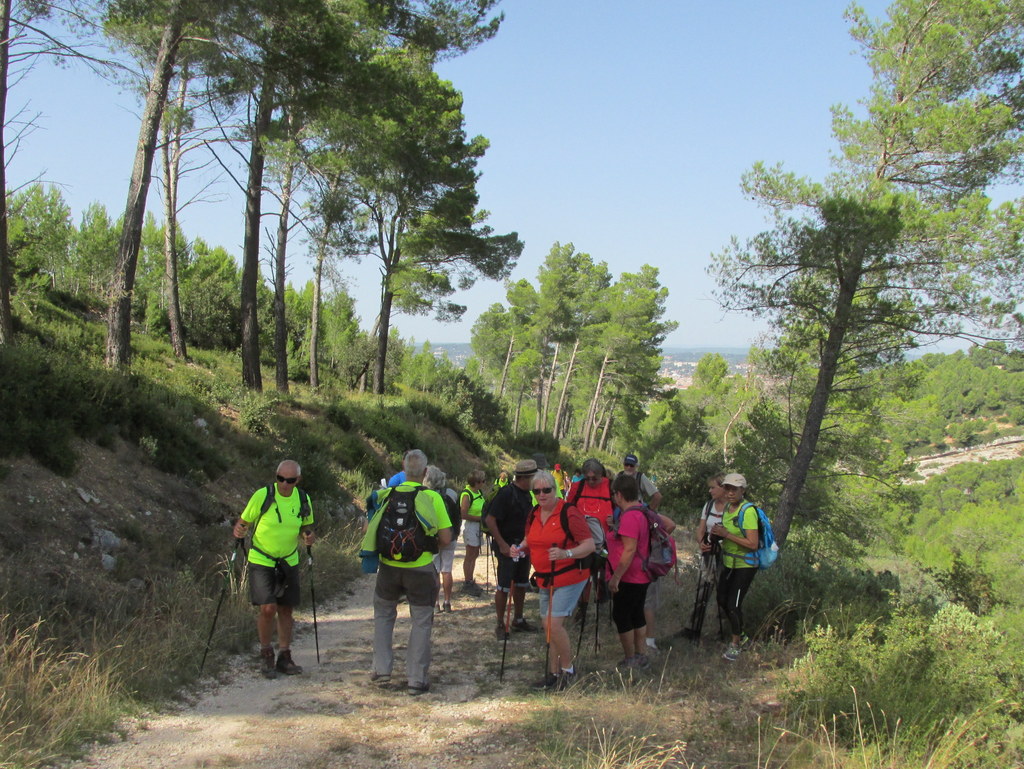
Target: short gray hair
(434, 478)
(544, 475)
(298, 470)
(415, 464)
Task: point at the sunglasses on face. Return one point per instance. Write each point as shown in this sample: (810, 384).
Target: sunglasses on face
(545, 490)
(282, 479)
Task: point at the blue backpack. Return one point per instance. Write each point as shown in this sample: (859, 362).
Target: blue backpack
(767, 549)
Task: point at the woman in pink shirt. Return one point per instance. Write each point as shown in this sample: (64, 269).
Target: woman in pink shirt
(628, 547)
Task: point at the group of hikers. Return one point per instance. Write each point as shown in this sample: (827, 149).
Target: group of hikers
(595, 537)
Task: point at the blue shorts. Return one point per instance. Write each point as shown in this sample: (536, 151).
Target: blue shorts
(564, 599)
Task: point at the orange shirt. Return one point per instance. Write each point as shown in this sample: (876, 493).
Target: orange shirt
(543, 535)
(595, 502)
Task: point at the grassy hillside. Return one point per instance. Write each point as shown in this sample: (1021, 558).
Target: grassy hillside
(119, 490)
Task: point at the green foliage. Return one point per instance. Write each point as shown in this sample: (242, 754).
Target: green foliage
(527, 444)
(85, 400)
(917, 673)
(473, 407)
(254, 412)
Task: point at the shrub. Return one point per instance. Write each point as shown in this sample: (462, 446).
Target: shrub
(918, 673)
(254, 412)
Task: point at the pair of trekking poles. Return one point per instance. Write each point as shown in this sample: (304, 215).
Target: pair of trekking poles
(593, 596)
(707, 579)
(229, 573)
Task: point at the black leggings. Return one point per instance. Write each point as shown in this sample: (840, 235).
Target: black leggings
(628, 606)
(733, 585)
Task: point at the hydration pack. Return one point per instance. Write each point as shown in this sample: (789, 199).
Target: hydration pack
(401, 534)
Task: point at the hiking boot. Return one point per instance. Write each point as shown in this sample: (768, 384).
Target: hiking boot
(642, 661)
(380, 678)
(285, 664)
(732, 653)
(472, 589)
(500, 633)
(522, 626)
(549, 681)
(565, 680)
(447, 607)
(415, 690)
(267, 658)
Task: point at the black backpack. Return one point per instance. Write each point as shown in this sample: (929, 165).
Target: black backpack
(454, 513)
(400, 533)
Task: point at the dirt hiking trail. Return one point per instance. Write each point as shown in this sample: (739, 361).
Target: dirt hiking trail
(332, 716)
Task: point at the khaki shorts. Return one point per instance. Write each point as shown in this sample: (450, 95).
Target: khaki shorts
(445, 559)
(471, 533)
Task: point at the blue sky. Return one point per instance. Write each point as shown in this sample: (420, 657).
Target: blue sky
(621, 128)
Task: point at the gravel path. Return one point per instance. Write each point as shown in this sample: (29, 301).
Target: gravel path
(332, 716)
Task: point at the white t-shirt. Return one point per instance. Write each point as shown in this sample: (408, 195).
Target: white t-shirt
(711, 516)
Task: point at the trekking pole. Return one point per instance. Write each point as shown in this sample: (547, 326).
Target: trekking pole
(312, 597)
(583, 623)
(508, 627)
(547, 627)
(223, 591)
(488, 555)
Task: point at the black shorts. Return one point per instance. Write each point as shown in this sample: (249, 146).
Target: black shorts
(264, 587)
(512, 572)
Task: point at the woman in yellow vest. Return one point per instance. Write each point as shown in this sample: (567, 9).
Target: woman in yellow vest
(738, 531)
(471, 505)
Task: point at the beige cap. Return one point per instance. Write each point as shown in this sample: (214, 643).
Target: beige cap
(734, 479)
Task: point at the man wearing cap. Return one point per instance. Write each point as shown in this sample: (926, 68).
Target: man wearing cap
(648, 491)
(506, 520)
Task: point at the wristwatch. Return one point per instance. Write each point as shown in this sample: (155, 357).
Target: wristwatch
(568, 553)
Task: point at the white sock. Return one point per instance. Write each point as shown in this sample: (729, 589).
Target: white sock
(569, 671)
(652, 644)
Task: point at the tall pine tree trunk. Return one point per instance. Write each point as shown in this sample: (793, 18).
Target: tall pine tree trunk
(314, 320)
(6, 282)
(252, 377)
(607, 426)
(558, 430)
(281, 255)
(504, 369)
(119, 318)
(588, 423)
(172, 169)
(799, 467)
(383, 328)
(548, 386)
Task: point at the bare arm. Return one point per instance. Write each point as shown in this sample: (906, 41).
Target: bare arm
(628, 551)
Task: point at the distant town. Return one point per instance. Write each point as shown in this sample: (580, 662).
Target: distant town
(678, 363)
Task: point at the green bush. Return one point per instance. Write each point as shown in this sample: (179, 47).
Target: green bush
(918, 673)
(254, 413)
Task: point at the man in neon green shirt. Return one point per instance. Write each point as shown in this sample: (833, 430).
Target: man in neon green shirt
(406, 568)
(277, 526)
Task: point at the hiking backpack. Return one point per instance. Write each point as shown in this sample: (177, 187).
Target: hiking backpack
(401, 533)
(767, 549)
(661, 556)
(454, 513)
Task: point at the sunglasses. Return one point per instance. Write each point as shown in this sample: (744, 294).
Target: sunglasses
(282, 479)
(545, 490)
